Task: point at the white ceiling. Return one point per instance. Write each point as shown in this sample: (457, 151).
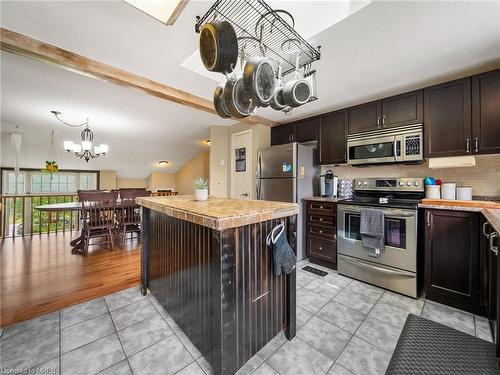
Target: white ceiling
(385, 48)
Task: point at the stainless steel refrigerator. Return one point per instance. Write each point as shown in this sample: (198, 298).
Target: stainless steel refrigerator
(288, 173)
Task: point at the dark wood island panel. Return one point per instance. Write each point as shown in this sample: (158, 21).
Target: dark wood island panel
(219, 285)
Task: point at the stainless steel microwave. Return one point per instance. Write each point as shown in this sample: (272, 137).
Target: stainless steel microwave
(403, 144)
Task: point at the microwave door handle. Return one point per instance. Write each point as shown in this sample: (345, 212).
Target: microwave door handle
(397, 150)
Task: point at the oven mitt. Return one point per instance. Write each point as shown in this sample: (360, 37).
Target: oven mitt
(283, 257)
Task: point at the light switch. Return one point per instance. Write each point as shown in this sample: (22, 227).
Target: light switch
(302, 172)
(222, 162)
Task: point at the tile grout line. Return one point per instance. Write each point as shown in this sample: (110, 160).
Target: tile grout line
(175, 333)
(119, 339)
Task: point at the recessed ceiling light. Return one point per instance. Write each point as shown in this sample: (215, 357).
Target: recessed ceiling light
(165, 11)
(163, 163)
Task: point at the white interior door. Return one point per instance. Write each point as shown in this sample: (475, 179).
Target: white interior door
(241, 165)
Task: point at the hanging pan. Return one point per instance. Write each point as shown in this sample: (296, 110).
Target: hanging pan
(238, 103)
(259, 80)
(219, 103)
(297, 91)
(277, 101)
(218, 46)
(258, 77)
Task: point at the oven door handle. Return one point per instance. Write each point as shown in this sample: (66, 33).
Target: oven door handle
(375, 268)
(393, 214)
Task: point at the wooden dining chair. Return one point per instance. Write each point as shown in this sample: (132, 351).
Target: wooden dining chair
(128, 215)
(98, 216)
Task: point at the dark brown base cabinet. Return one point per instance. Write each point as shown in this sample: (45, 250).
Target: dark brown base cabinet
(322, 232)
(454, 265)
(219, 286)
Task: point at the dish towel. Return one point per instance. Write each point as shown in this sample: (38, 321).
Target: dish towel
(284, 259)
(372, 228)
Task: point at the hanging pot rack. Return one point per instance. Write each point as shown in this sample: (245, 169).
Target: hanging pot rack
(255, 20)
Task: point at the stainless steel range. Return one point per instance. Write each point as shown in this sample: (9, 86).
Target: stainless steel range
(395, 266)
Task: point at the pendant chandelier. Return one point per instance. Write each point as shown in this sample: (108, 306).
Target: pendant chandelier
(85, 149)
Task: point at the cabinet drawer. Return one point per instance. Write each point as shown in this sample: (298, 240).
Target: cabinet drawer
(321, 219)
(323, 249)
(323, 208)
(327, 233)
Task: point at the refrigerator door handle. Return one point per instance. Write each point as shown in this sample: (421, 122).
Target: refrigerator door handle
(258, 172)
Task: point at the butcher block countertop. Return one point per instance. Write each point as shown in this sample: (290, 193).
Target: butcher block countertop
(445, 204)
(493, 216)
(219, 213)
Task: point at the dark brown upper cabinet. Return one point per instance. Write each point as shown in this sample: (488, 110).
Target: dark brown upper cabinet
(306, 130)
(452, 272)
(365, 117)
(299, 131)
(282, 134)
(403, 109)
(486, 113)
(332, 138)
(447, 119)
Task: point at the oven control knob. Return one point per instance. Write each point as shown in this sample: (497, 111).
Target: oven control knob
(359, 183)
(365, 183)
(401, 183)
(408, 183)
(416, 183)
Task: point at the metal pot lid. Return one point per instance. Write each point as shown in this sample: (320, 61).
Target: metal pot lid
(302, 91)
(265, 85)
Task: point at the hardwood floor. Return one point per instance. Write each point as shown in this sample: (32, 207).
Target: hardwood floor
(40, 275)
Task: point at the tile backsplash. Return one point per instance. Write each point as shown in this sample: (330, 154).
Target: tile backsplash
(484, 177)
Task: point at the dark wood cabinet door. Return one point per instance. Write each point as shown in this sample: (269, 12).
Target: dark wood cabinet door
(486, 113)
(306, 130)
(365, 117)
(282, 134)
(404, 109)
(322, 249)
(447, 119)
(452, 258)
(333, 138)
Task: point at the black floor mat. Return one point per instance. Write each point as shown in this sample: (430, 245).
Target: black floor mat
(427, 347)
(315, 271)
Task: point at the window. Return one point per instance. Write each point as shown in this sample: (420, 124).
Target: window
(57, 183)
(37, 182)
(88, 181)
(11, 183)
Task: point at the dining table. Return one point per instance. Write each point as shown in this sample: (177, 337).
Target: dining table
(77, 243)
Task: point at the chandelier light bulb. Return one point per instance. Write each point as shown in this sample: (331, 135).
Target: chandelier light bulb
(103, 148)
(87, 145)
(97, 150)
(68, 146)
(77, 148)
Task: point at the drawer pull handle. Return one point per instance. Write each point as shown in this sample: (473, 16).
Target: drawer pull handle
(321, 207)
(320, 219)
(320, 231)
(320, 248)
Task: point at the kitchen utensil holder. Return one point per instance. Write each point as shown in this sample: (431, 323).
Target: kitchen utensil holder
(255, 19)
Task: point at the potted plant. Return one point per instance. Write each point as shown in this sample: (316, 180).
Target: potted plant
(201, 189)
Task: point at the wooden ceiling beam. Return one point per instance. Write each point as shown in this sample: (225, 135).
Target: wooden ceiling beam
(23, 45)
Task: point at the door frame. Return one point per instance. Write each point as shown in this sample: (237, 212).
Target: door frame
(249, 160)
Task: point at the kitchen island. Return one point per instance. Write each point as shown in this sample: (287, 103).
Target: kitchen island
(208, 265)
